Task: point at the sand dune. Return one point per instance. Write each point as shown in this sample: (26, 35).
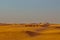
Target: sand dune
(11, 32)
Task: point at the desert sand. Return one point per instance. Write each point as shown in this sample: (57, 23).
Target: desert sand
(21, 32)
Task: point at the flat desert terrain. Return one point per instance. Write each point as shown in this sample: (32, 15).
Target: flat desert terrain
(17, 32)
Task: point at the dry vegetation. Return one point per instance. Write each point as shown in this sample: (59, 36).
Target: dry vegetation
(29, 32)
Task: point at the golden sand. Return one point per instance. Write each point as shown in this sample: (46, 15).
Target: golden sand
(20, 32)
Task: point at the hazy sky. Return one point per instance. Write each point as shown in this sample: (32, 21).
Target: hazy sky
(21, 11)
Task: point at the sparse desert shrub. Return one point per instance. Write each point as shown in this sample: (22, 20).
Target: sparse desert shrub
(57, 27)
(30, 33)
(43, 27)
(46, 25)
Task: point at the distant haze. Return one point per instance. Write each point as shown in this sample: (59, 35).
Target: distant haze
(29, 11)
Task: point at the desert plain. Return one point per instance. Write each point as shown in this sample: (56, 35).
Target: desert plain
(29, 32)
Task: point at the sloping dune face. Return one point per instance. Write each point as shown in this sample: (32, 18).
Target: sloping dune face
(29, 33)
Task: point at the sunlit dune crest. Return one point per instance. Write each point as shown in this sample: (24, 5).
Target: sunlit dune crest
(31, 31)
